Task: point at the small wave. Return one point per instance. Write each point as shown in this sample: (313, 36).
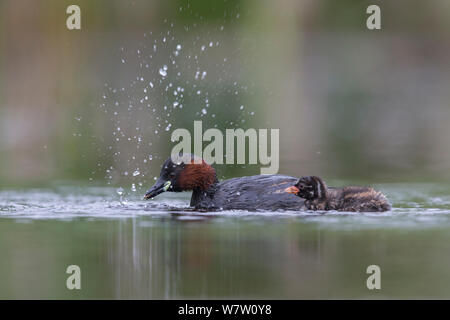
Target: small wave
(413, 206)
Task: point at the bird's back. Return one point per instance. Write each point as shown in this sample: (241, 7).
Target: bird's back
(254, 193)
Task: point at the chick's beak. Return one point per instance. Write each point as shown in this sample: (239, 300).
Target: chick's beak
(159, 187)
(292, 189)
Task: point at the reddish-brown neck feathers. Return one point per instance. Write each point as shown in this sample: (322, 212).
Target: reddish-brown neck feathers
(194, 176)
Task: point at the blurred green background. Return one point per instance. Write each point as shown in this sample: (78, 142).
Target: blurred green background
(349, 102)
(86, 116)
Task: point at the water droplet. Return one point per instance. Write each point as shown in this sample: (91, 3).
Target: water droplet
(136, 173)
(120, 191)
(204, 111)
(163, 72)
(178, 46)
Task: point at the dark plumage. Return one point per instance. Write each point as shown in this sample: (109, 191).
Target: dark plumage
(261, 192)
(320, 197)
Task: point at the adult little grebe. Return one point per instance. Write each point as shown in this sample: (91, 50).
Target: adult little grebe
(261, 192)
(319, 197)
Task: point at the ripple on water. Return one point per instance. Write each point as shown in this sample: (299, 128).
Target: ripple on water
(416, 205)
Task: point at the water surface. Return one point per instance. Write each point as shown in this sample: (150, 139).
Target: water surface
(128, 248)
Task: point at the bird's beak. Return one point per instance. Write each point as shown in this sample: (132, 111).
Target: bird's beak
(292, 189)
(159, 187)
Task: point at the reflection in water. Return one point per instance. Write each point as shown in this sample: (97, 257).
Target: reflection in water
(151, 260)
(164, 251)
(206, 258)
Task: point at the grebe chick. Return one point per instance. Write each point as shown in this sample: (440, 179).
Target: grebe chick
(320, 197)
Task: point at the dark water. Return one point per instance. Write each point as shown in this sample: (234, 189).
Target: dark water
(161, 249)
